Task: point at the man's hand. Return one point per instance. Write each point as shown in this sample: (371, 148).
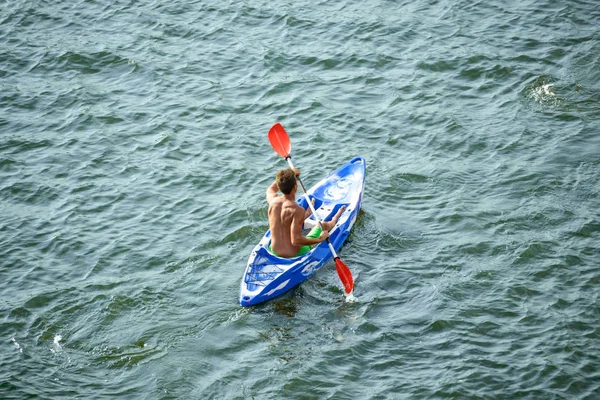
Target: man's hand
(296, 172)
(324, 236)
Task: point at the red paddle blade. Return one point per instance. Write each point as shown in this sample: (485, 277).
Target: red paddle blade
(345, 275)
(280, 140)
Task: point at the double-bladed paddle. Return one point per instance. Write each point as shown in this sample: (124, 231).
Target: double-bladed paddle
(280, 141)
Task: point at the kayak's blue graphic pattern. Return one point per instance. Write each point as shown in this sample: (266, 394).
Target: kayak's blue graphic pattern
(268, 276)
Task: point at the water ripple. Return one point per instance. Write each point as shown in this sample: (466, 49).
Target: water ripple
(134, 162)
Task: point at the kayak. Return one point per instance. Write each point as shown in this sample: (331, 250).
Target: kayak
(268, 276)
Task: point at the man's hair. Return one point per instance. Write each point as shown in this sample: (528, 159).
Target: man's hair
(286, 180)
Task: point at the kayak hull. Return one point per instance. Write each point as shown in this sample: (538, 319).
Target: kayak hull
(268, 276)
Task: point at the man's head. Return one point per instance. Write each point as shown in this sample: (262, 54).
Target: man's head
(286, 180)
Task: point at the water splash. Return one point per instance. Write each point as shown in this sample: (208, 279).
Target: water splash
(543, 91)
(350, 298)
(57, 347)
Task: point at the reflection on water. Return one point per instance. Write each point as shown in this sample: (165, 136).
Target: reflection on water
(286, 307)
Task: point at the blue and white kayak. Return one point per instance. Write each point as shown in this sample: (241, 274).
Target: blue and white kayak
(268, 276)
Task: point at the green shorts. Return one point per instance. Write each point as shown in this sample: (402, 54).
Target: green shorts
(313, 234)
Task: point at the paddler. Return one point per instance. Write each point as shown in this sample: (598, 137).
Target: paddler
(286, 218)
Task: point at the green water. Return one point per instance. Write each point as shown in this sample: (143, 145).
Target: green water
(134, 160)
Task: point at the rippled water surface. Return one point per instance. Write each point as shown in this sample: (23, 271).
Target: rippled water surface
(134, 161)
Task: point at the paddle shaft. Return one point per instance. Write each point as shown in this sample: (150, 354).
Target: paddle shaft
(280, 141)
(312, 208)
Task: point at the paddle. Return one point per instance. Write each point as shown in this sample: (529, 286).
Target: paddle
(280, 142)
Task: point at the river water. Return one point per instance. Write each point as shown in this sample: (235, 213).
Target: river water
(134, 160)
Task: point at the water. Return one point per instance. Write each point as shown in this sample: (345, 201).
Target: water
(133, 165)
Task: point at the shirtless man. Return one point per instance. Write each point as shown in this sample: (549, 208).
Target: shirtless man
(286, 218)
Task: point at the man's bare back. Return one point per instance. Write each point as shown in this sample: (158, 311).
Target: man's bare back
(282, 215)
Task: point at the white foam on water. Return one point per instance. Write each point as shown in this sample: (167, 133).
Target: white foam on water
(17, 345)
(349, 298)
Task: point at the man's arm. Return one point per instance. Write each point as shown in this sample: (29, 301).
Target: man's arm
(272, 192)
(297, 238)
